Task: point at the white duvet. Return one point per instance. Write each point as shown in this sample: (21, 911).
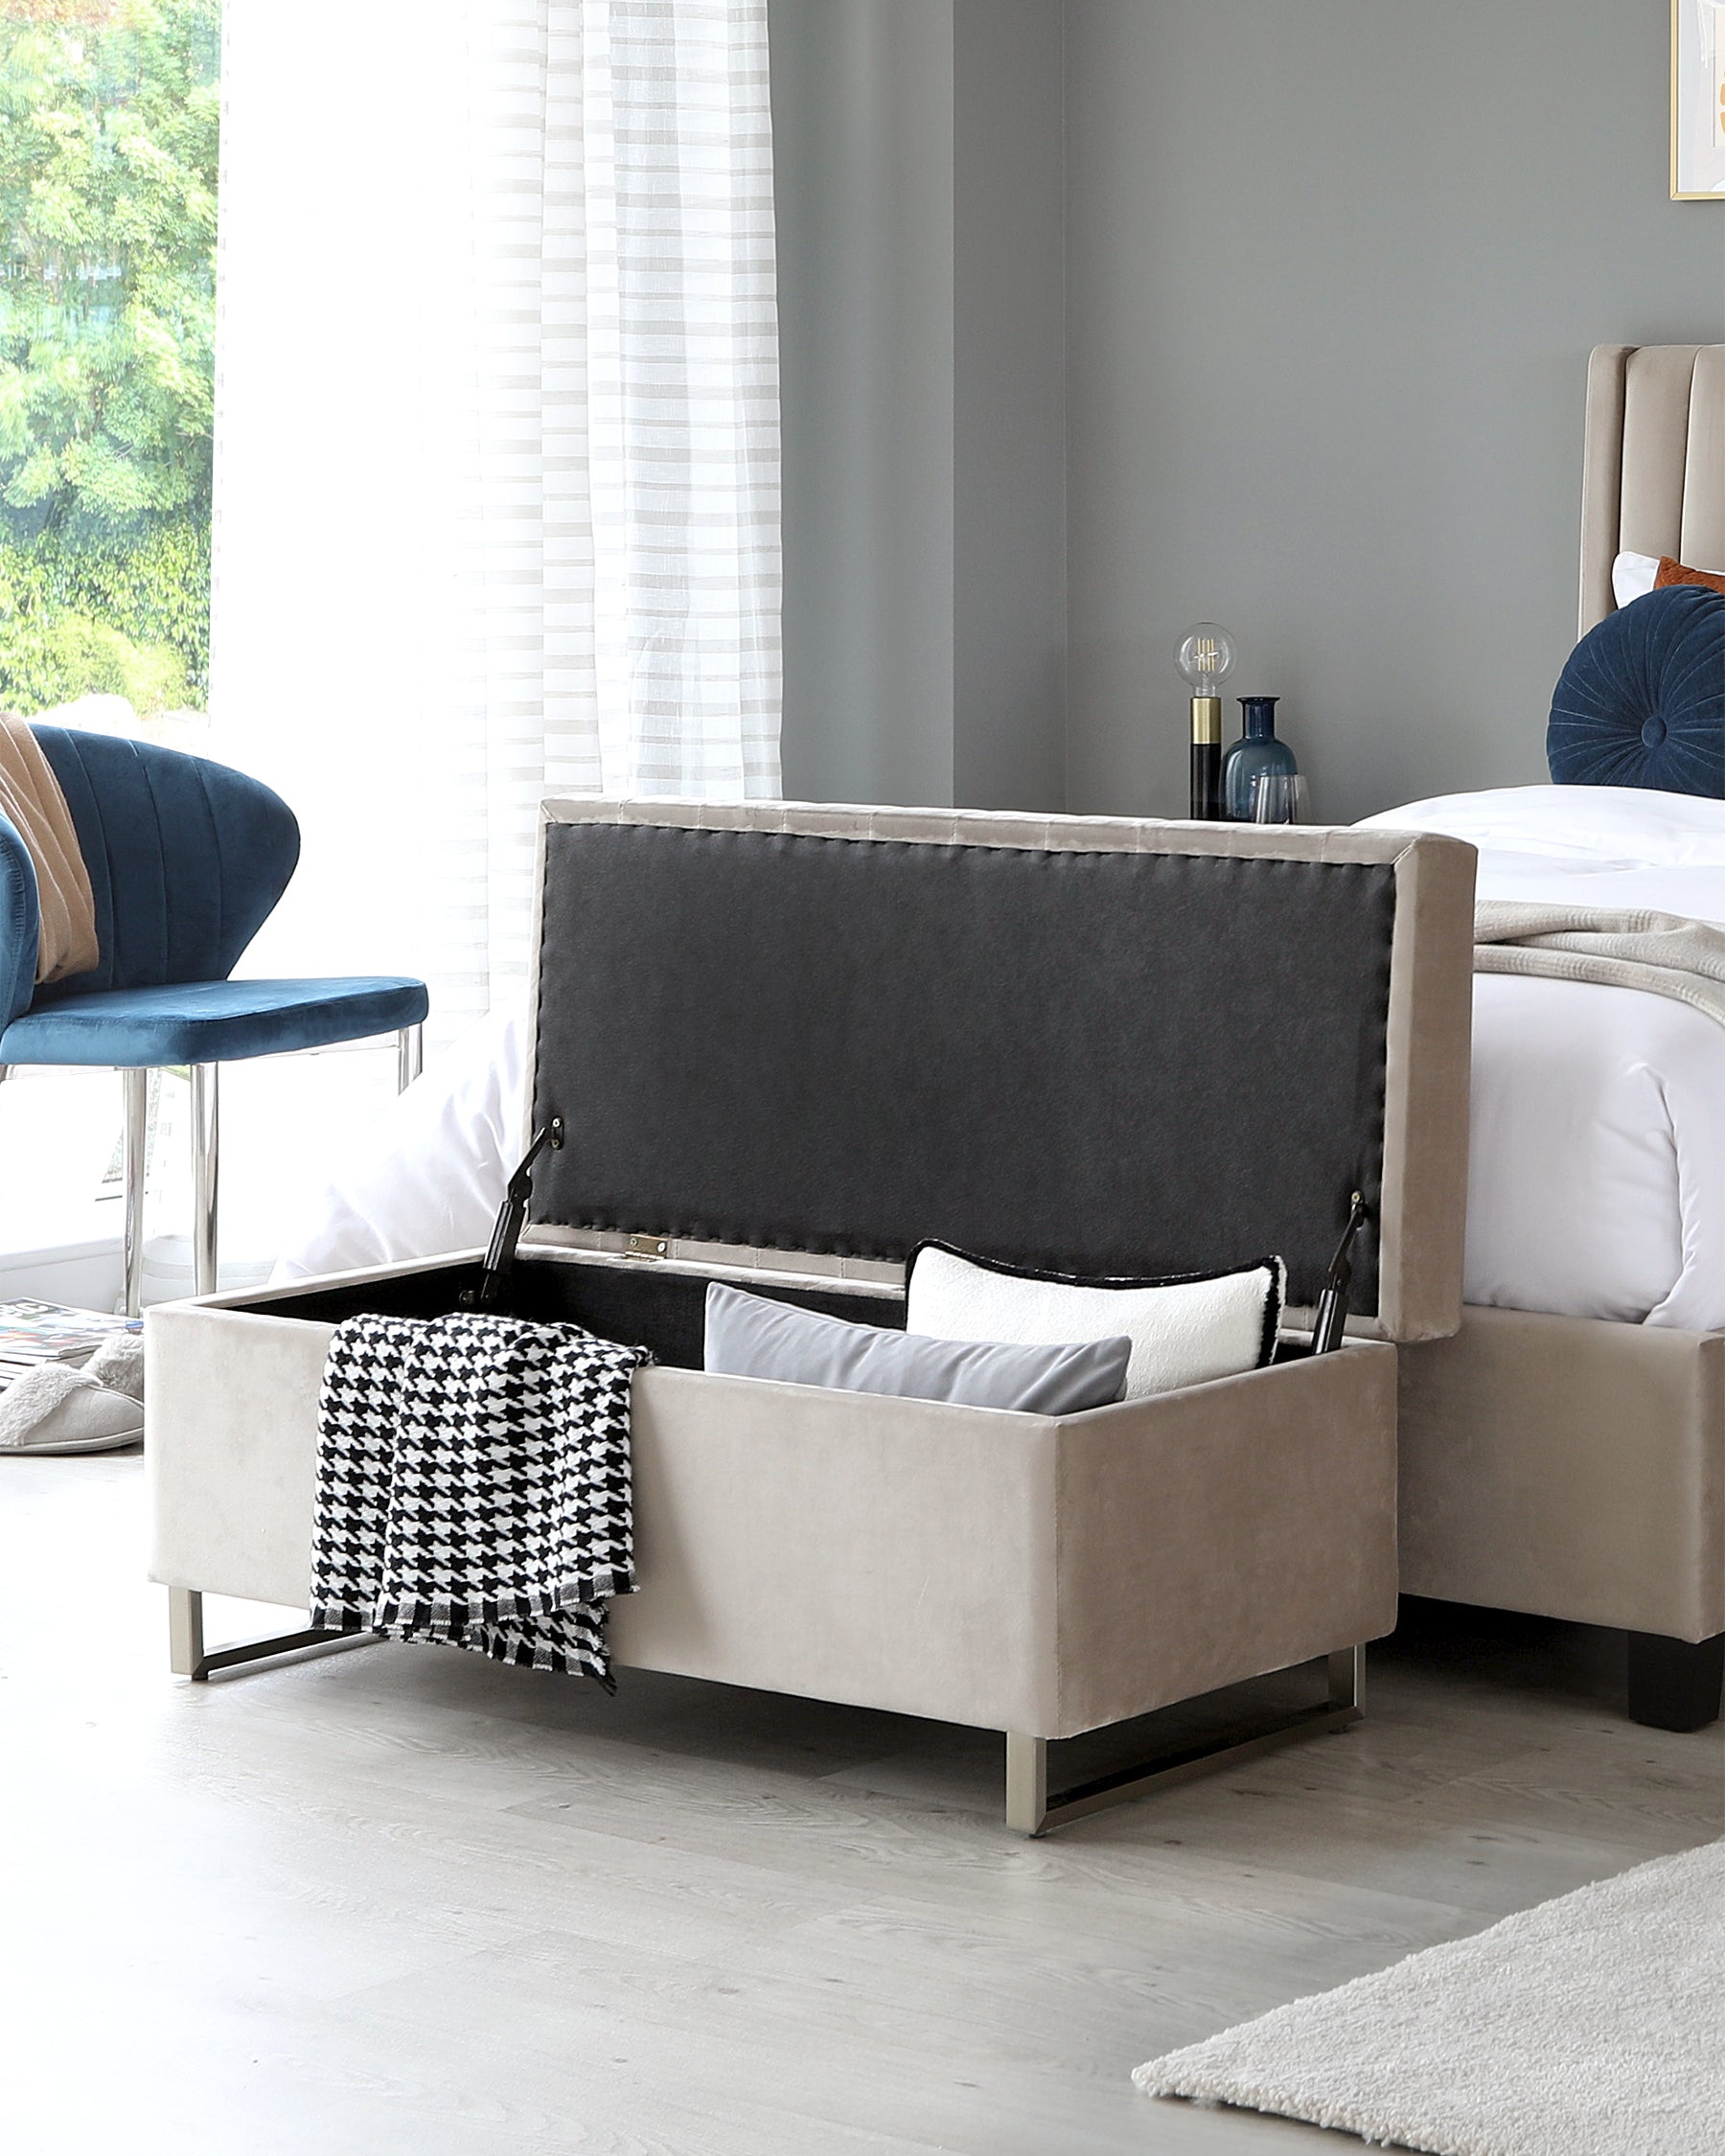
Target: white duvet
(1597, 1185)
(1597, 1179)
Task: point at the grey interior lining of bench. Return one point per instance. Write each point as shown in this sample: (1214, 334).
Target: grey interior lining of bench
(652, 1306)
(1090, 1062)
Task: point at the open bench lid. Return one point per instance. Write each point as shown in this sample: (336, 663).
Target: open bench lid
(814, 1037)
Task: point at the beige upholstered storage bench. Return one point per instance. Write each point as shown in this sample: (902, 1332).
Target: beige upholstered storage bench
(786, 1043)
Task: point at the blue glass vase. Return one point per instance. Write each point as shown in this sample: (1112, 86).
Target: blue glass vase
(1256, 751)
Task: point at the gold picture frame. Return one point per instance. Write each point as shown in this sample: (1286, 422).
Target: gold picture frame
(1698, 101)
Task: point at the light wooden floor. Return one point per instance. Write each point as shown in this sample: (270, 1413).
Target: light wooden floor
(399, 1900)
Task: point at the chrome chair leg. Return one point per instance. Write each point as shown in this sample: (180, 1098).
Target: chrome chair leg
(410, 1055)
(133, 1156)
(206, 1146)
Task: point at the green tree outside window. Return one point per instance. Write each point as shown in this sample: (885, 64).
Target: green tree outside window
(109, 120)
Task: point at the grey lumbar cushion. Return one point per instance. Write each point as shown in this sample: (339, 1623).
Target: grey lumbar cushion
(1183, 1331)
(749, 1336)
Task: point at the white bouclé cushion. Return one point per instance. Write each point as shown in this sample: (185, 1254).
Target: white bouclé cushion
(1183, 1331)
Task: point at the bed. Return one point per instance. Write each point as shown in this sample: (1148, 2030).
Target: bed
(1567, 1457)
(1565, 1453)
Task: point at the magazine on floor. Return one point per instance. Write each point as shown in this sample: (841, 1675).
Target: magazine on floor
(33, 1333)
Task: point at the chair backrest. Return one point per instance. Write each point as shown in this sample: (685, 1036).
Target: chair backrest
(20, 923)
(187, 859)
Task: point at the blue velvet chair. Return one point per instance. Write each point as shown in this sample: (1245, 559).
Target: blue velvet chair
(187, 860)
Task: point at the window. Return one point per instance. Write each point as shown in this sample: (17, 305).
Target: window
(110, 123)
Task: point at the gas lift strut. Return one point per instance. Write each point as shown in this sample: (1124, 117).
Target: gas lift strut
(491, 1290)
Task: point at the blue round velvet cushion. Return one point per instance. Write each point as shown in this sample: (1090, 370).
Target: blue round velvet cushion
(1642, 701)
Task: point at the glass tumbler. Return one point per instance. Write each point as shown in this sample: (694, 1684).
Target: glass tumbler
(1275, 798)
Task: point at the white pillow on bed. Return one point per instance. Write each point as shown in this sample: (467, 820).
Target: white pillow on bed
(427, 1174)
(1599, 828)
(1633, 577)
(1183, 1331)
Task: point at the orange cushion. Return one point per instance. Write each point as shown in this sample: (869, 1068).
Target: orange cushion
(1674, 572)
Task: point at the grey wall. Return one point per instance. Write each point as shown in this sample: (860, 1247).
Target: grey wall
(1009, 414)
(1290, 329)
(1334, 270)
(862, 190)
(919, 184)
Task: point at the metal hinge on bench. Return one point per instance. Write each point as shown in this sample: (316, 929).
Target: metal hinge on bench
(647, 1247)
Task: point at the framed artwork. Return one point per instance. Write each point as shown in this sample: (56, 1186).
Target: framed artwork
(1697, 100)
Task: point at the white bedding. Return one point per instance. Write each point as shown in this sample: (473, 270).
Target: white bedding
(427, 1175)
(1598, 1178)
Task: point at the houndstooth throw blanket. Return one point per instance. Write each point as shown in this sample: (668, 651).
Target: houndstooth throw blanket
(473, 1486)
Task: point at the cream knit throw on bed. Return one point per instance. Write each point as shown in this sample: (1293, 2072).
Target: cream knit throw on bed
(32, 802)
(1663, 954)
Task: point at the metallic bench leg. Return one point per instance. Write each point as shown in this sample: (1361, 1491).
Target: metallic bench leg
(1031, 1810)
(133, 1147)
(185, 1631)
(188, 1655)
(1348, 1679)
(1026, 1782)
(206, 1148)
(410, 1055)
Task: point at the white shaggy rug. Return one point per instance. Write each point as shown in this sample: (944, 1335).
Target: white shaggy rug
(1593, 2025)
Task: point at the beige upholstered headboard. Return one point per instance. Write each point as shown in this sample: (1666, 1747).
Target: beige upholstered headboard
(1653, 470)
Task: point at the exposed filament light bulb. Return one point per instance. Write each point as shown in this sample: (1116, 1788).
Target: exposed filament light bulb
(1205, 655)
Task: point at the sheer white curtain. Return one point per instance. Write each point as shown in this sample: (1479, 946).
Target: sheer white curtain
(497, 445)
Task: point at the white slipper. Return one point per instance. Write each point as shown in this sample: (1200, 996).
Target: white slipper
(119, 1364)
(52, 1409)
